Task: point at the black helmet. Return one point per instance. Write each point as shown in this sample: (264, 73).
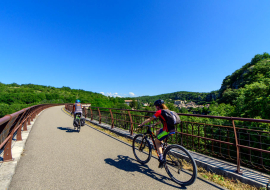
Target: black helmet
(158, 102)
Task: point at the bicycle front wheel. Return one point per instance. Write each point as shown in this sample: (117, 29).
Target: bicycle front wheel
(141, 149)
(180, 165)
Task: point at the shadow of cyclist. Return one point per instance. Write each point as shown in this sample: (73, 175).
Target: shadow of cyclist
(128, 164)
(67, 129)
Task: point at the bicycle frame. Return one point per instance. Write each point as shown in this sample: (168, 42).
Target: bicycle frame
(152, 136)
(174, 159)
(78, 116)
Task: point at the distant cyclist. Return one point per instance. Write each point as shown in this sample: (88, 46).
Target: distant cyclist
(77, 109)
(165, 131)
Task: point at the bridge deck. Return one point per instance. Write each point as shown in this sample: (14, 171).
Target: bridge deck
(56, 157)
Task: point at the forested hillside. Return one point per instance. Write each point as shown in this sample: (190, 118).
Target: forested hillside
(244, 93)
(14, 97)
(197, 97)
(247, 89)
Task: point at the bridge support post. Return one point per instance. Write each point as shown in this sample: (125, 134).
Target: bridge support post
(112, 118)
(131, 123)
(237, 149)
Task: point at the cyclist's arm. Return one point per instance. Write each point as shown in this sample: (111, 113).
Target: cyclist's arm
(147, 121)
(73, 109)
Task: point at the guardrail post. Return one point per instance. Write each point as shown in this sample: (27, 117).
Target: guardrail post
(85, 114)
(112, 118)
(99, 116)
(131, 123)
(31, 118)
(91, 114)
(7, 151)
(237, 149)
(181, 133)
(25, 125)
(28, 120)
(34, 114)
(19, 134)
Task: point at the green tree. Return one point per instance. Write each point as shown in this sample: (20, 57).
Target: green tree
(133, 104)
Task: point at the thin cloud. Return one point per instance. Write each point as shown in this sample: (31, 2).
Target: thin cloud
(131, 94)
(102, 93)
(113, 94)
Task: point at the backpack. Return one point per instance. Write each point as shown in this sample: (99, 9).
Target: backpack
(171, 117)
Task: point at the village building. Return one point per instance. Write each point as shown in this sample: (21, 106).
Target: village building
(128, 102)
(184, 104)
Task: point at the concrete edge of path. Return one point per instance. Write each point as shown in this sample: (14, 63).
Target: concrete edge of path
(7, 169)
(216, 168)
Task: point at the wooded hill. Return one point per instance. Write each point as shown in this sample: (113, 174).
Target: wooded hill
(244, 93)
(14, 97)
(197, 97)
(248, 89)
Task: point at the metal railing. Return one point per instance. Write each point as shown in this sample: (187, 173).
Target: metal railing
(243, 141)
(14, 124)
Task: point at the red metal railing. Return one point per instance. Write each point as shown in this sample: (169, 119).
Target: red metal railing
(14, 123)
(243, 141)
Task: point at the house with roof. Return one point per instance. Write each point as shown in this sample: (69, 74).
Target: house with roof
(128, 102)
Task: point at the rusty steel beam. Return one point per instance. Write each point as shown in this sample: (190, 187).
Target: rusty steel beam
(211, 139)
(7, 150)
(99, 116)
(112, 120)
(131, 123)
(237, 148)
(14, 123)
(197, 115)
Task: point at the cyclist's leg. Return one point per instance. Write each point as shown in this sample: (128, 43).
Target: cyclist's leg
(158, 142)
(160, 137)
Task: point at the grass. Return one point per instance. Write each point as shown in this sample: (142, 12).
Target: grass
(207, 175)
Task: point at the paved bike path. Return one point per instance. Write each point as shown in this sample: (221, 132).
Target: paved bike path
(56, 157)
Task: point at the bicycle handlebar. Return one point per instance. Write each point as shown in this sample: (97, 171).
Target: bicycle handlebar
(140, 127)
(145, 126)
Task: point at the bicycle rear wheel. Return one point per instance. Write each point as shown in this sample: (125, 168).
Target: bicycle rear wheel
(79, 126)
(141, 149)
(180, 165)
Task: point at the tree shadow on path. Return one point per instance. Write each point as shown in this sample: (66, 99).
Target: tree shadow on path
(128, 164)
(67, 129)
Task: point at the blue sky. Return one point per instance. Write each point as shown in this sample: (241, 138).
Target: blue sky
(137, 47)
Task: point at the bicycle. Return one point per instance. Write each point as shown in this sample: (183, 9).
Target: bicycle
(179, 163)
(78, 117)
